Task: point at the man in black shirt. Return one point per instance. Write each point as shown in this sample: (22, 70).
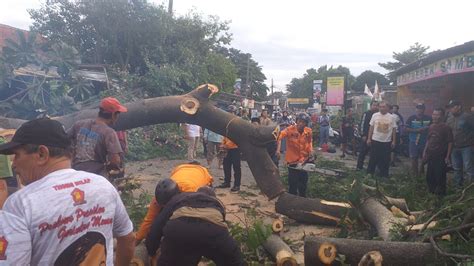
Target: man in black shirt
(364, 125)
(192, 225)
(347, 132)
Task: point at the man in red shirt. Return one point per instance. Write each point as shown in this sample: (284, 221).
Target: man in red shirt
(299, 147)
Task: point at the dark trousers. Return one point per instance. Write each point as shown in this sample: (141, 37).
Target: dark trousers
(186, 240)
(297, 181)
(232, 160)
(364, 150)
(436, 175)
(379, 157)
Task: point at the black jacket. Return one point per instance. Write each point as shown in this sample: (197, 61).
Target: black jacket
(364, 123)
(186, 199)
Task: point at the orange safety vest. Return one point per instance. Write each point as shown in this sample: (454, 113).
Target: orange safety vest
(298, 146)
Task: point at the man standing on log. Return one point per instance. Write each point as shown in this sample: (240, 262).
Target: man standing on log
(59, 205)
(381, 139)
(96, 145)
(417, 127)
(365, 126)
(299, 147)
(462, 125)
(437, 153)
(190, 226)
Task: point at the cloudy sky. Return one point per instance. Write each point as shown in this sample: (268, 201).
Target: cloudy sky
(288, 37)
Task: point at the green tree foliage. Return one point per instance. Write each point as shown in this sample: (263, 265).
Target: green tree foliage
(173, 54)
(244, 62)
(303, 87)
(414, 53)
(368, 77)
(143, 47)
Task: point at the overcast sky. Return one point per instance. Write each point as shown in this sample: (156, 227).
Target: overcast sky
(288, 37)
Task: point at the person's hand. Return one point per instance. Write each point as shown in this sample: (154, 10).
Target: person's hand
(447, 160)
(278, 154)
(369, 141)
(393, 145)
(424, 158)
(364, 139)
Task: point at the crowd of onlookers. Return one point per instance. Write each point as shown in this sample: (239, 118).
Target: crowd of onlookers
(434, 142)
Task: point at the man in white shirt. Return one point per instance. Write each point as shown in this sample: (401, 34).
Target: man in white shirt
(381, 139)
(193, 132)
(71, 217)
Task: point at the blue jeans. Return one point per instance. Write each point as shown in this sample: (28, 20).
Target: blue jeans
(462, 163)
(323, 135)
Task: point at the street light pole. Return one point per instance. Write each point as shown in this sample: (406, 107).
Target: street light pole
(170, 7)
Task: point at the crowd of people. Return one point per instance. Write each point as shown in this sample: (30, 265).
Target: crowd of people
(69, 210)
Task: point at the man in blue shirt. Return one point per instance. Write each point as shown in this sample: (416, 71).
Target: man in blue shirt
(417, 126)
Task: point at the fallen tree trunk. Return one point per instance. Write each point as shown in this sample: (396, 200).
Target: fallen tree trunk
(280, 251)
(393, 253)
(312, 211)
(379, 217)
(397, 202)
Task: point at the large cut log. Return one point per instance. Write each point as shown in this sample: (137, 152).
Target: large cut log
(196, 108)
(280, 251)
(379, 217)
(397, 202)
(393, 253)
(313, 211)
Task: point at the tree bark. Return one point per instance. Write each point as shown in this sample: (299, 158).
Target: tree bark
(393, 253)
(312, 211)
(280, 251)
(379, 217)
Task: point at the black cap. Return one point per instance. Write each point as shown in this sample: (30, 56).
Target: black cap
(43, 131)
(453, 103)
(420, 106)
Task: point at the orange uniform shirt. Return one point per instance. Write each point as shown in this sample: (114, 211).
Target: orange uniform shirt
(228, 144)
(190, 178)
(298, 146)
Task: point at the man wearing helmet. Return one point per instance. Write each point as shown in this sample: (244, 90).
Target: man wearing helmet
(189, 177)
(191, 225)
(299, 147)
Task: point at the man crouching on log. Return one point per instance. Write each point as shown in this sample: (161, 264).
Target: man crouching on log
(299, 147)
(192, 225)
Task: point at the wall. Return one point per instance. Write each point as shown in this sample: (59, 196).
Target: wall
(436, 93)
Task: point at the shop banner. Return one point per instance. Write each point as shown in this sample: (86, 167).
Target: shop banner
(335, 92)
(317, 91)
(452, 65)
(298, 101)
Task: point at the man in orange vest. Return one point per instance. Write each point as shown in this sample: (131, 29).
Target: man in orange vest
(189, 177)
(299, 148)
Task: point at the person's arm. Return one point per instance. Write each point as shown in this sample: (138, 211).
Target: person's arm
(112, 144)
(123, 231)
(369, 137)
(153, 239)
(125, 249)
(283, 135)
(450, 146)
(409, 128)
(153, 210)
(425, 157)
(394, 137)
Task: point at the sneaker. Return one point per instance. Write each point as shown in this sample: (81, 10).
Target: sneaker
(235, 189)
(224, 185)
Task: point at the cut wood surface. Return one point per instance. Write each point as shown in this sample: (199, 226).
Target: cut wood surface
(313, 211)
(379, 217)
(280, 251)
(393, 253)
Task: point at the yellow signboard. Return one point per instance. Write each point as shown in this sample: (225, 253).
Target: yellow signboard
(335, 93)
(298, 101)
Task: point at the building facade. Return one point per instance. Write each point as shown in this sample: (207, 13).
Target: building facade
(437, 78)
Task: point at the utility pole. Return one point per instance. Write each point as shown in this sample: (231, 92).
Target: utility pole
(247, 82)
(271, 87)
(170, 7)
